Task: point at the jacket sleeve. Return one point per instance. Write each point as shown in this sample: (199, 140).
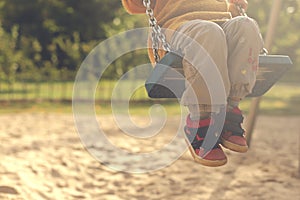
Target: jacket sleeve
(135, 6)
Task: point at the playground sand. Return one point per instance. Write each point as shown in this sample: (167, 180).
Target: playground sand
(42, 157)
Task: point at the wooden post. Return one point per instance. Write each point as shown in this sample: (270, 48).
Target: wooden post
(254, 108)
(299, 157)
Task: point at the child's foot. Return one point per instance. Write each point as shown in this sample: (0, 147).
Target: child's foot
(233, 135)
(195, 132)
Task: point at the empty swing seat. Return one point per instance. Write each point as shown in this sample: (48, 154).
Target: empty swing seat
(167, 80)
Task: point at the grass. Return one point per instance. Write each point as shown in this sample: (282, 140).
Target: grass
(35, 90)
(282, 99)
(64, 90)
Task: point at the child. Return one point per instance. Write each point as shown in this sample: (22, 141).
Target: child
(233, 42)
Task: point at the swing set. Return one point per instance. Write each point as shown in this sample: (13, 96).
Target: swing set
(166, 80)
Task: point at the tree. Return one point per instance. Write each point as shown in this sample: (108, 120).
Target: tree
(286, 39)
(56, 23)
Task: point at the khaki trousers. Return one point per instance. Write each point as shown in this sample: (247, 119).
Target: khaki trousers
(220, 61)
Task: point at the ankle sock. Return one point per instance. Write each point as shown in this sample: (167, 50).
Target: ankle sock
(200, 116)
(233, 102)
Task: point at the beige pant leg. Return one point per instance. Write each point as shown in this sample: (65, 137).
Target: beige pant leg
(204, 48)
(244, 43)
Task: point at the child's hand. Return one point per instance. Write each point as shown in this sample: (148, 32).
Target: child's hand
(242, 3)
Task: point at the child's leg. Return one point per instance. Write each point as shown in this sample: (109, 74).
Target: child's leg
(244, 45)
(205, 65)
(205, 68)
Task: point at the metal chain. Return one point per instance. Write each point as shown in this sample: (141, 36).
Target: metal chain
(157, 35)
(241, 10)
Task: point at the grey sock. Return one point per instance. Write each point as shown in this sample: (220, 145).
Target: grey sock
(233, 103)
(199, 116)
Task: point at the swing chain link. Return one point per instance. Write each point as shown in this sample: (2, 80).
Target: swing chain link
(241, 10)
(157, 35)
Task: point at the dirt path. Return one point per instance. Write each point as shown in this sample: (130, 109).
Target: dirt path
(42, 158)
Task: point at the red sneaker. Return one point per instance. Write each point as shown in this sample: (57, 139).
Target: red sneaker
(233, 135)
(195, 132)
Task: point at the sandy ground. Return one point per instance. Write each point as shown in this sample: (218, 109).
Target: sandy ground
(42, 157)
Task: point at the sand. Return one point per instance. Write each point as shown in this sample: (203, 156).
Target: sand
(42, 157)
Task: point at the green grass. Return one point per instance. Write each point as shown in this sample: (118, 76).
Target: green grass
(40, 90)
(64, 90)
(282, 99)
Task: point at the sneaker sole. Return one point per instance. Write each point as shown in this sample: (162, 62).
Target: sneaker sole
(208, 163)
(233, 147)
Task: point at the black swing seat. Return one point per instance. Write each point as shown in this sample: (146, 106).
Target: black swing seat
(167, 81)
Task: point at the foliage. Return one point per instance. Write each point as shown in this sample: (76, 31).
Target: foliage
(54, 34)
(286, 39)
(12, 59)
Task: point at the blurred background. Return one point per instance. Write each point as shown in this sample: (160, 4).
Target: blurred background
(43, 43)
